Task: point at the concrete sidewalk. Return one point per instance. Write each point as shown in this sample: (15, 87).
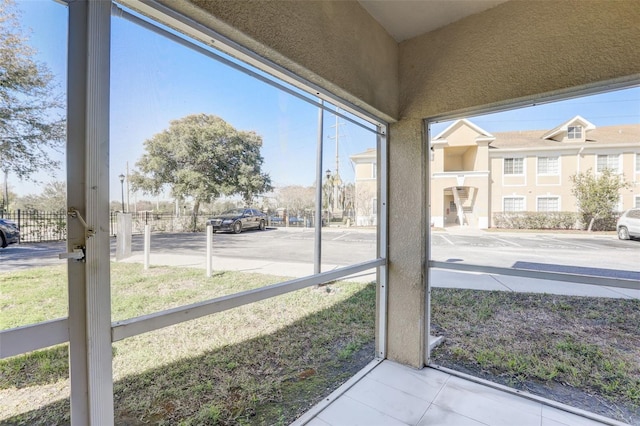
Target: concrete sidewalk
(440, 278)
(267, 267)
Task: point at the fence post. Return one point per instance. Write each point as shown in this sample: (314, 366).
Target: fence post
(19, 228)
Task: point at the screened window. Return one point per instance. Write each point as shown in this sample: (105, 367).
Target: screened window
(610, 161)
(574, 132)
(548, 204)
(513, 204)
(513, 166)
(547, 165)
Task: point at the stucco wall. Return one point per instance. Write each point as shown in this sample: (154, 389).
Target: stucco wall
(333, 44)
(406, 290)
(519, 49)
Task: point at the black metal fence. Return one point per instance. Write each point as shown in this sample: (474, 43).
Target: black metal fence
(37, 226)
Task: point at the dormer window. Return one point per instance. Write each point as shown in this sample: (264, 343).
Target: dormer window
(574, 132)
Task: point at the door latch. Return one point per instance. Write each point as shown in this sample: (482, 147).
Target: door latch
(77, 254)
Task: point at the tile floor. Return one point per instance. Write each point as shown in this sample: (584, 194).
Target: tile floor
(392, 394)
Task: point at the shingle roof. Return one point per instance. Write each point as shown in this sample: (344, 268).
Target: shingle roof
(601, 136)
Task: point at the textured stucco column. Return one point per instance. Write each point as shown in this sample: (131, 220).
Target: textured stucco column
(406, 317)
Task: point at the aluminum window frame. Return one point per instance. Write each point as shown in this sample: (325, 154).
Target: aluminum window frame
(507, 105)
(513, 166)
(548, 197)
(547, 158)
(88, 327)
(56, 333)
(514, 197)
(618, 161)
(574, 132)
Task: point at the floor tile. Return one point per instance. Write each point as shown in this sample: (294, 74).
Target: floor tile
(488, 405)
(396, 395)
(346, 411)
(438, 416)
(390, 401)
(424, 384)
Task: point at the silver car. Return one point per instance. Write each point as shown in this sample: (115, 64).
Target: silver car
(628, 225)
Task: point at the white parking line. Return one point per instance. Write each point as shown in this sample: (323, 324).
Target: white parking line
(446, 239)
(561, 240)
(340, 236)
(507, 241)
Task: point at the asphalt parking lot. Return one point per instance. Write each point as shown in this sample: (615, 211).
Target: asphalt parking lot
(602, 254)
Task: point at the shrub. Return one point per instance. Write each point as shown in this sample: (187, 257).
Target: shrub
(537, 220)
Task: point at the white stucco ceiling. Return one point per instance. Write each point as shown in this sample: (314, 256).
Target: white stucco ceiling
(404, 19)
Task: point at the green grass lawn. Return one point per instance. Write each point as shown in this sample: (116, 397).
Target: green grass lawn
(268, 362)
(264, 363)
(583, 351)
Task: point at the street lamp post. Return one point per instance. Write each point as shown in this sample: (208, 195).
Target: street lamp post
(121, 176)
(334, 182)
(330, 190)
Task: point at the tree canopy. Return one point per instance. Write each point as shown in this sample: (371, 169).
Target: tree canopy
(597, 195)
(31, 122)
(52, 198)
(203, 157)
(296, 198)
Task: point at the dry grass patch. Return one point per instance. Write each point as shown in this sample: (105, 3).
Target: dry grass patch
(582, 351)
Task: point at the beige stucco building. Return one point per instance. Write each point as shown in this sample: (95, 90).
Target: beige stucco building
(475, 174)
(365, 199)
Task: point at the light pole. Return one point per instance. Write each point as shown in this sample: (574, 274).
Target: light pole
(330, 190)
(334, 182)
(121, 177)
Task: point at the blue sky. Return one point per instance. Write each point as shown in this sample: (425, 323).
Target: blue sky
(154, 81)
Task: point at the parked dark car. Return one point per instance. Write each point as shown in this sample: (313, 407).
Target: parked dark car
(294, 220)
(628, 225)
(9, 233)
(276, 220)
(237, 220)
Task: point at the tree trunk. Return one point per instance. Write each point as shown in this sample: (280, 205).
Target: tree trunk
(194, 215)
(593, 219)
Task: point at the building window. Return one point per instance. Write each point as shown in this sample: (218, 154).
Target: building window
(637, 202)
(610, 161)
(374, 170)
(513, 204)
(574, 132)
(513, 166)
(548, 204)
(637, 163)
(374, 206)
(547, 165)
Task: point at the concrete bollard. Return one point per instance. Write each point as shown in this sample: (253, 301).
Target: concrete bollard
(209, 232)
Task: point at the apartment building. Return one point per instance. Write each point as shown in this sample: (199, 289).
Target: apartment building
(475, 174)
